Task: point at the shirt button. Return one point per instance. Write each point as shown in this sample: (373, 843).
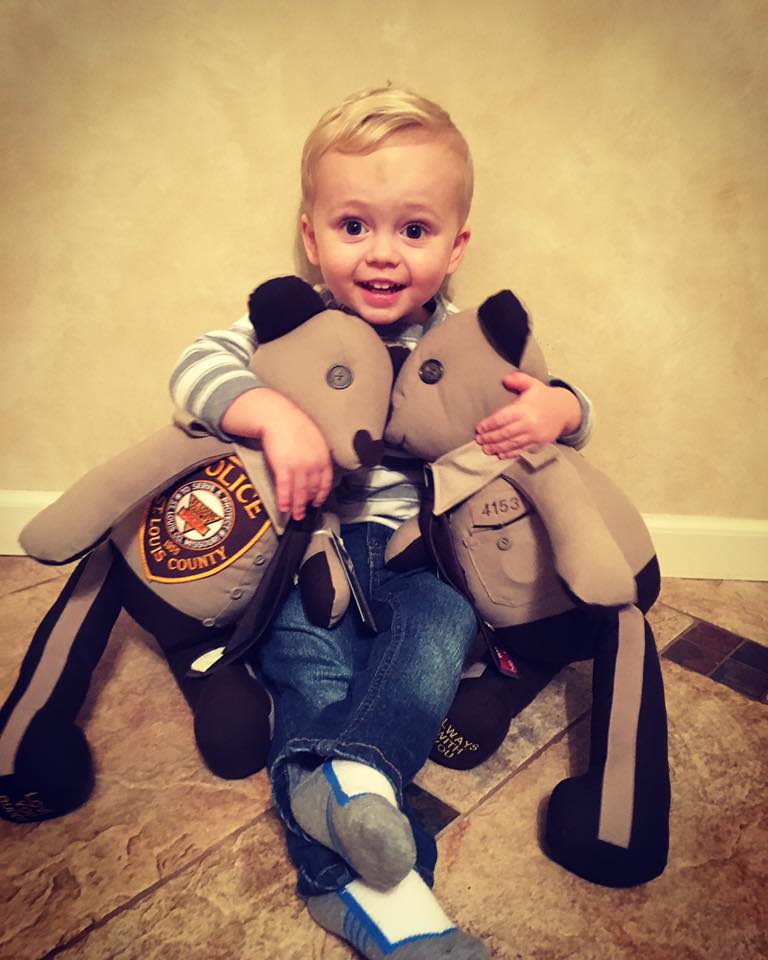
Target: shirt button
(259, 559)
(431, 371)
(236, 593)
(339, 377)
(503, 543)
(209, 622)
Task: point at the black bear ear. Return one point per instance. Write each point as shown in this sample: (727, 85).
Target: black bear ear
(278, 306)
(504, 322)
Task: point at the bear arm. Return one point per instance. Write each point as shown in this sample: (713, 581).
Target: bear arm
(587, 558)
(85, 513)
(322, 581)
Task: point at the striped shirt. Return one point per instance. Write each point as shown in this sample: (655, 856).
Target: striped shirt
(213, 371)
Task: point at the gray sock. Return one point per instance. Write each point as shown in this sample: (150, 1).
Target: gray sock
(392, 926)
(369, 832)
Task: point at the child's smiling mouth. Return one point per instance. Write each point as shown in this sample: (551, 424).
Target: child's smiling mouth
(381, 286)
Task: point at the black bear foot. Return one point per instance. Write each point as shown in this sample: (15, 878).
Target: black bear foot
(482, 710)
(52, 773)
(573, 836)
(477, 722)
(232, 722)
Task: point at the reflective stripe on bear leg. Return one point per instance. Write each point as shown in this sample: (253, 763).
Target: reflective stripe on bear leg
(618, 794)
(54, 657)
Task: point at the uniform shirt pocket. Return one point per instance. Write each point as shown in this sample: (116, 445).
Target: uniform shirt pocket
(508, 549)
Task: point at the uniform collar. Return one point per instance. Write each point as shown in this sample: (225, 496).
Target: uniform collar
(465, 470)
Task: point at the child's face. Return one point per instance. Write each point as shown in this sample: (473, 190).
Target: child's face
(385, 226)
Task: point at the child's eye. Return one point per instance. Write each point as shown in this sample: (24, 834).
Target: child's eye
(415, 231)
(354, 228)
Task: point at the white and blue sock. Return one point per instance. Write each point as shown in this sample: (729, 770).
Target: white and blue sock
(403, 923)
(351, 808)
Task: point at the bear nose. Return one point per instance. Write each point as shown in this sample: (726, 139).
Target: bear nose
(368, 450)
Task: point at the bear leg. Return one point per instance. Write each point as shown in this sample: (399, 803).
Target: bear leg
(45, 762)
(232, 712)
(231, 709)
(483, 709)
(611, 825)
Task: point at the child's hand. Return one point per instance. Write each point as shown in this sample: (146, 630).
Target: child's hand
(539, 414)
(293, 445)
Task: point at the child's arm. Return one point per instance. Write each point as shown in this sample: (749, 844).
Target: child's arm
(212, 382)
(541, 413)
(293, 445)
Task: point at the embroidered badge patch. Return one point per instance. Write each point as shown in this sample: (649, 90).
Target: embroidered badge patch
(202, 523)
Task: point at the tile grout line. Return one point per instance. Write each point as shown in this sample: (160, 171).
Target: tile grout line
(697, 619)
(557, 738)
(717, 666)
(151, 889)
(682, 636)
(518, 770)
(719, 663)
(33, 586)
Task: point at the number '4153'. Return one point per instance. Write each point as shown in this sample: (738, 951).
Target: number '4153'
(496, 508)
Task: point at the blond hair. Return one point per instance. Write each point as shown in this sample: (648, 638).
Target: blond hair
(362, 121)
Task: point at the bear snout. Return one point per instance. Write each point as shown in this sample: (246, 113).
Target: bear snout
(368, 450)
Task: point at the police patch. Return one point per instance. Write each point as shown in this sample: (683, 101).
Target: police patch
(202, 523)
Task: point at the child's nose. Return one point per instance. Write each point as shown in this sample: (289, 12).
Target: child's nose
(382, 251)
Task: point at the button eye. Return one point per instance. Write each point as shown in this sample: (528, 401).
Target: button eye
(431, 371)
(339, 377)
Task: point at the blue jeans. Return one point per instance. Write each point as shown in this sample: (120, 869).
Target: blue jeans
(376, 699)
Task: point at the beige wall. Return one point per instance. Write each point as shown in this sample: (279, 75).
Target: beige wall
(150, 152)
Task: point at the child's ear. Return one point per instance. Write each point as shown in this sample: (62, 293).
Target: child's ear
(309, 241)
(459, 248)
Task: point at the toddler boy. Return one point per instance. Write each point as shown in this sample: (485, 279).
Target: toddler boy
(387, 187)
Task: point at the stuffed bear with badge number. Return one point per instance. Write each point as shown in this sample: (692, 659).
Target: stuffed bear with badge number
(559, 567)
(182, 531)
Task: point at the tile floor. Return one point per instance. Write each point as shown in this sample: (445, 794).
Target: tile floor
(165, 861)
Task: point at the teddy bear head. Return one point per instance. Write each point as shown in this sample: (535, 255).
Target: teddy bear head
(453, 377)
(330, 363)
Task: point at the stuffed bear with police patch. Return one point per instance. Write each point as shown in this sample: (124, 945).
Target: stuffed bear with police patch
(559, 567)
(182, 531)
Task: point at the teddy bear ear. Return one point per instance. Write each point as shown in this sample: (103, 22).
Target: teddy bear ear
(280, 305)
(504, 322)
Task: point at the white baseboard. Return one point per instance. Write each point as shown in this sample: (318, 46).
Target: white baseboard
(710, 548)
(702, 548)
(17, 507)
